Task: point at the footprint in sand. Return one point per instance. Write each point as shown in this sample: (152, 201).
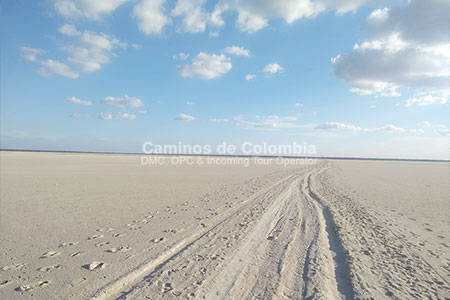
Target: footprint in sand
(167, 287)
(50, 254)
(119, 249)
(50, 268)
(67, 244)
(118, 235)
(96, 265)
(4, 282)
(133, 226)
(13, 267)
(95, 236)
(105, 229)
(77, 254)
(101, 244)
(32, 286)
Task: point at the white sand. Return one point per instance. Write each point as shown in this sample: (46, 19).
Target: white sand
(77, 226)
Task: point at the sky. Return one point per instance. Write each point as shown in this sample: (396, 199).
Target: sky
(354, 78)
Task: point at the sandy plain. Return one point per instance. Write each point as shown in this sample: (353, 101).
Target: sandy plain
(104, 226)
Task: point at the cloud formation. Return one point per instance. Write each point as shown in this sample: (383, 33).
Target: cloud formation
(181, 56)
(408, 50)
(123, 102)
(194, 16)
(30, 54)
(78, 101)
(338, 125)
(249, 77)
(184, 117)
(427, 100)
(424, 124)
(271, 122)
(389, 128)
(89, 9)
(272, 68)
(92, 50)
(105, 116)
(125, 116)
(69, 30)
(150, 16)
(88, 52)
(238, 51)
(53, 67)
(207, 66)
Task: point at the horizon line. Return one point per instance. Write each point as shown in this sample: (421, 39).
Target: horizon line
(235, 155)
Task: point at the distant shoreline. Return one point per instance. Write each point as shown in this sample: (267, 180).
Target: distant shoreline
(237, 155)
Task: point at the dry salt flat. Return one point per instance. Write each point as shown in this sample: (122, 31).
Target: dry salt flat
(84, 226)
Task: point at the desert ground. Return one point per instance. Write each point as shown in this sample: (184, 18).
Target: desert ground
(105, 226)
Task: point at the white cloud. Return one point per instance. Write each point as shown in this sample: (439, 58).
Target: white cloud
(92, 50)
(30, 54)
(363, 92)
(420, 22)
(76, 100)
(125, 116)
(184, 117)
(424, 124)
(76, 116)
(426, 100)
(391, 128)
(253, 15)
(443, 131)
(206, 66)
(181, 56)
(272, 122)
(250, 22)
(298, 105)
(408, 50)
(151, 17)
(213, 34)
(378, 15)
(273, 68)
(339, 126)
(89, 52)
(86, 8)
(250, 77)
(238, 51)
(52, 67)
(215, 18)
(214, 120)
(416, 131)
(194, 17)
(189, 103)
(69, 30)
(392, 44)
(123, 102)
(105, 116)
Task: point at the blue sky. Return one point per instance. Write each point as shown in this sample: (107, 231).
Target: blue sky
(355, 78)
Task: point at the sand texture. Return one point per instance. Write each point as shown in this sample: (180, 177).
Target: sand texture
(91, 226)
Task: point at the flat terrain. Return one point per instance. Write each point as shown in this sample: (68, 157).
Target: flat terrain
(82, 226)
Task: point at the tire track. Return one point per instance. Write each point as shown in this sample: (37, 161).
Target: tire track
(277, 244)
(128, 284)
